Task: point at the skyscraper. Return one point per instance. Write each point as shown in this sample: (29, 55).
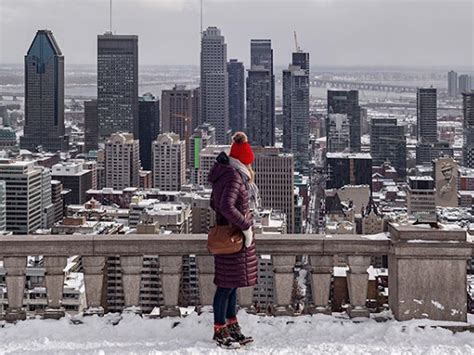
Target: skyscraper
(23, 196)
(214, 83)
(426, 115)
(338, 133)
(75, 178)
(348, 169)
(452, 84)
(296, 114)
(169, 162)
(203, 136)
(301, 59)
(261, 55)
(260, 114)
(388, 143)
(347, 102)
(177, 111)
(44, 95)
(275, 179)
(117, 84)
(465, 83)
(149, 126)
(468, 113)
(122, 161)
(236, 72)
(91, 126)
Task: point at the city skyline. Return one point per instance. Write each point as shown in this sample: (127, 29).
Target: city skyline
(399, 27)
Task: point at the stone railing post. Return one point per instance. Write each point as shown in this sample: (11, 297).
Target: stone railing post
(170, 276)
(427, 273)
(357, 284)
(205, 265)
(94, 282)
(322, 268)
(283, 267)
(15, 278)
(54, 276)
(132, 267)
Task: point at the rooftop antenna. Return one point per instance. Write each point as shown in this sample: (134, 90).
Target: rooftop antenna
(110, 16)
(200, 14)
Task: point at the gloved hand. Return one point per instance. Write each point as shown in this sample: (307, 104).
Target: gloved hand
(248, 234)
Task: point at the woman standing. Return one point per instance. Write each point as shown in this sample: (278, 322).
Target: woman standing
(233, 194)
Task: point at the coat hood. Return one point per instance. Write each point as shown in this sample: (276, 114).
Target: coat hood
(220, 168)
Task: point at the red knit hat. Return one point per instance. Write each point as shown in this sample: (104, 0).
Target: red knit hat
(241, 149)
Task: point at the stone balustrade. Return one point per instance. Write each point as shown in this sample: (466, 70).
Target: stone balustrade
(427, 269)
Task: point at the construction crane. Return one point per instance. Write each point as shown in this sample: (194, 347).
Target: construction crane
(298, 49)
(187, 121)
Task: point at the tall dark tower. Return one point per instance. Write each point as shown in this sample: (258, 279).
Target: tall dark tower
(261, 58)
(149, 127)
(347, 102)
(44, 95)
(468, 113)
(426, 115)
(301, 59)
(117, 84)
(236, 72)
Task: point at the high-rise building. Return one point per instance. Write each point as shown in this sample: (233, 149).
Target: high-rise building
(427, 152)
(47, 207)
(388, 144)
(75, 178)
(196, 107)
(122, 161)
(44, 95)
(421, 198)
(148, 126)
(23, 196)
(296, 114)
(465, 83)
(214, 83)
(260, 113)
(117, 84)
(261, 55)
(338, 133)
(274, 175)
(91, 126)
(301, 59)
(177, 111)
(348, 169)
(236, 72)
(203, 136)
(452, 84)
(57, 200)
(169, 162)
(3, 206)
(347, 102)
(468, 129)
(426, 115)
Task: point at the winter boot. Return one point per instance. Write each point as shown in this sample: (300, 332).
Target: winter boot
(223, 338)
(236, 334)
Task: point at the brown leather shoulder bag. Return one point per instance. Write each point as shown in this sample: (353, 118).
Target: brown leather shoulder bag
(226, 239)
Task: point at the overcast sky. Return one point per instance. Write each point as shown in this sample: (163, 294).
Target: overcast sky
(335, 32)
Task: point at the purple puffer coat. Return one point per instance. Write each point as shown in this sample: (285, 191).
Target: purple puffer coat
(230, 200)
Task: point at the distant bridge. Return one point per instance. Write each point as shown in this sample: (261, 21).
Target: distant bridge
(354, 85)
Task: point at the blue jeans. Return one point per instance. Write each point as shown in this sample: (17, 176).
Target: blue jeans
(225, 304)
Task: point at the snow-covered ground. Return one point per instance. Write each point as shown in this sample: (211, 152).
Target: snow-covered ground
(298, 335)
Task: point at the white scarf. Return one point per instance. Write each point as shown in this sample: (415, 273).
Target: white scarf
(252, 189)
